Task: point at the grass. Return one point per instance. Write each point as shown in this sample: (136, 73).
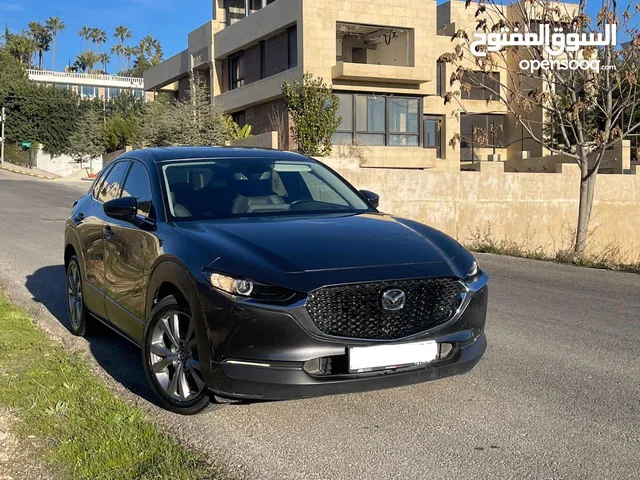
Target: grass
(485, 243)
(87, 431)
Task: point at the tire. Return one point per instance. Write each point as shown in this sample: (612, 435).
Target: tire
(171, 364)
(79, 317)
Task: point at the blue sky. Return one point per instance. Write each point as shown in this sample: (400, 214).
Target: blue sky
(167, 20)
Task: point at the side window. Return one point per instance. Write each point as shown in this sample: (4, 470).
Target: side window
(97, 184)
(112, 185)
(137, 186)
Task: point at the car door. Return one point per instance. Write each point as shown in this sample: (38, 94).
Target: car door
(89, 220)
(129, 250)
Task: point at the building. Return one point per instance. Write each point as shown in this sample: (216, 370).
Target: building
(88, 85)
(379, 56)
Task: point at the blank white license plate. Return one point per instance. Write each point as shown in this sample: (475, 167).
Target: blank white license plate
(390, 356)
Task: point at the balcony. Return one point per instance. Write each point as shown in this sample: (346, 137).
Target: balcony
(379, 73)
(49, 76)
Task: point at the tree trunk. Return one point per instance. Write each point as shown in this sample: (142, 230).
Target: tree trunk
(587, 189)
(53, 58)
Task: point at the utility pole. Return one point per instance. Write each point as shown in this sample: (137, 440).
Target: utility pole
(2, 120)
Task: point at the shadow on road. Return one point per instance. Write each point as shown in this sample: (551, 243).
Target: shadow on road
(118, 357)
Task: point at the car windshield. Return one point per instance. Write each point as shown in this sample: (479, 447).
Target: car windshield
(241, 187)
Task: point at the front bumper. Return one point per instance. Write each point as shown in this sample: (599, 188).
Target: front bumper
(262, 353)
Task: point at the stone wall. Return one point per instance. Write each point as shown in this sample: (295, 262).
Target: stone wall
(536, 211)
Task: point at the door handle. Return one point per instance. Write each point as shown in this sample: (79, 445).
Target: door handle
(108, 233)
(79, 217)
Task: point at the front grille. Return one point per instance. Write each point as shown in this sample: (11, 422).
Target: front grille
(355, 311)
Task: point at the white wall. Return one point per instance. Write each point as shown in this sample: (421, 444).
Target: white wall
(63, 165)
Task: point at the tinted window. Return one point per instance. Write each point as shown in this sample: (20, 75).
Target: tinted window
(112, 185)
(255, 186)
(137, 186)
(97, 184)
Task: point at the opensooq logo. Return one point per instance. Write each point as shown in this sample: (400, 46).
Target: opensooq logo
(555, 44)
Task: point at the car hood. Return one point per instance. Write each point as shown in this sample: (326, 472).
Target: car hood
(320, 243)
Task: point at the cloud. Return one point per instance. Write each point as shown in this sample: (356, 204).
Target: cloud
(9, 7)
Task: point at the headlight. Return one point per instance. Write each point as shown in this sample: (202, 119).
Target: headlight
(231, 285)
(474, 271)
(242, 287)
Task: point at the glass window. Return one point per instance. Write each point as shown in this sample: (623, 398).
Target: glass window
(480, 85)
(97, 184)
(89, 92)
(403, 115)
(479, 131)
(137, 186)
(431, 133)
(342, 138)
(370, 139)
(241, 187)
(263, 59)
(370, 113)
(439, 78)
(112, 185)
(236, 71)
(292, 46)
(345, 110)
(113, 93)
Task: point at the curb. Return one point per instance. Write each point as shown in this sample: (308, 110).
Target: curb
(22, 172)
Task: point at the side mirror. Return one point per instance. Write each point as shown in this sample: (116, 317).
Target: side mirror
(123, 208)
(372, 198)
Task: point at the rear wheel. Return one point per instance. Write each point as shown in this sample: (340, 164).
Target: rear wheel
(171, 360)
(78, 315)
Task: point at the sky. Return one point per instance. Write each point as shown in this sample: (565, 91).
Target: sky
(166, 20)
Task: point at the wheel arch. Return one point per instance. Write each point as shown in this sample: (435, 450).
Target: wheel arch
(170, 278)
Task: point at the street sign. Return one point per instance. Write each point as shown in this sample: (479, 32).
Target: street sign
(25, 145)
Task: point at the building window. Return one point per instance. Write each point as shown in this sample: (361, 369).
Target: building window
(292, 46)
(370, 120)
(239, 118)
(480, 85)
(439, 78)
(403, 121)
(113, 93)
(88, 92)
(344, 133)
(431, 134)
(375, 120)
(482, 131)
(236, 71)
(263, 59)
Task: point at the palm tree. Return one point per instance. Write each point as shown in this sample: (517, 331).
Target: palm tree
(157, 53)
(19, 47)
(123, 33)
(146, 46)
(54, 25)
(98, 36)
(85, 32)
(86, 60)
(129, 53)
(42, 37)
(104, 59)
(118, 51)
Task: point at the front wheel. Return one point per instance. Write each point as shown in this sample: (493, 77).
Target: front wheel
(78, 315)
(171, 361)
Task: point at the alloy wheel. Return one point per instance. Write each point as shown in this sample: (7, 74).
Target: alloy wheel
(174, 356)
(75, 295)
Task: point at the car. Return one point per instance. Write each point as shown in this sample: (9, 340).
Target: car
(253, 274)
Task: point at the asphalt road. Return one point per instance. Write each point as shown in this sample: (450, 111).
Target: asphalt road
(557, 394)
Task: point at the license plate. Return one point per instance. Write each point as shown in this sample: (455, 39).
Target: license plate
(363, 359)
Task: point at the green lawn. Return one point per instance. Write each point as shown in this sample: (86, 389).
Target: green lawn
(89, 432)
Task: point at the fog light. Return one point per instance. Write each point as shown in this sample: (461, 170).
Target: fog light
(244, 287)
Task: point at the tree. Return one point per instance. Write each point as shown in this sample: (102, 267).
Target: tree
(104, 59)
(42, 39)
(583, 108)
(87, 140)
(119, 132)
(86, 32)
(54, 25)
(86, 60)
(123, 33)
(98, 36)
(129, 53)
(199, 121)
(312, 106)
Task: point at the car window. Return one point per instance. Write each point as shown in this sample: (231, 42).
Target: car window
(224, 188)
(97, 184)
(137, 185)
(112, 185)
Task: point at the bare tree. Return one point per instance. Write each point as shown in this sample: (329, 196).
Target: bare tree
(578, 112)
(278, 123)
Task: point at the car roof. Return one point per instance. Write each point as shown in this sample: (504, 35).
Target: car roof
(162, 154)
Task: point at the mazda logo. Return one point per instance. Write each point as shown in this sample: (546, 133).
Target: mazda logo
(393, 300)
